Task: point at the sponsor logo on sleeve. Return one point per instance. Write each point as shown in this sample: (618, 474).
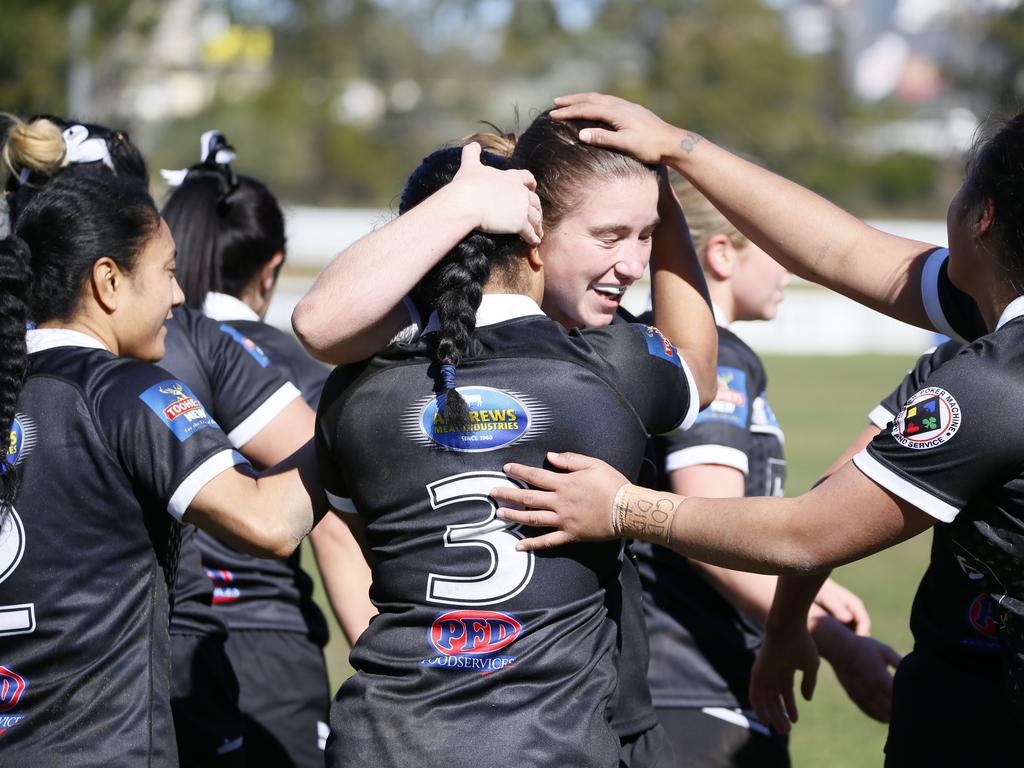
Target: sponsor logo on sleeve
(472, 640)
(21, 440)
(178, 408)
(731, 405)
(247, 344)
(12, 688)
(659, 346)
(224, 590)
(982, 615)
(930, 418)
(497, 419)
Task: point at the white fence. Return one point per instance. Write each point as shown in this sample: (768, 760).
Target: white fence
(811, 321)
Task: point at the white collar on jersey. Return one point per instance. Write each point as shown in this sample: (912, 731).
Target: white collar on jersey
(1013, 310)
(495, 308)
(221, 306)
(42, 339)
(719, 317)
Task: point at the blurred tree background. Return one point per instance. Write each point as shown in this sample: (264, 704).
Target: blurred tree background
(333, 101)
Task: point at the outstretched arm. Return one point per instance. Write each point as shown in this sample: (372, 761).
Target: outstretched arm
(802, 231)
(355, 306)
(589, 500)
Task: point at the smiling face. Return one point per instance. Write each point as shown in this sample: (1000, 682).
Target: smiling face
(598, 250)
(146, 298)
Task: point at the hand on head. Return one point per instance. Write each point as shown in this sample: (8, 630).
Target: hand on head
(506, 200)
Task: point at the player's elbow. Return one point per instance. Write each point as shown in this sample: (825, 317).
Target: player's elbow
(313, 330)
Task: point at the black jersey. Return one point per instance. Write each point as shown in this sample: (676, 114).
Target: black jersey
(632, 706)
(954, 451)
(480, 650)
(702, 648)
(251, 592)
(107, 447)
(244, 395)
(953, 617)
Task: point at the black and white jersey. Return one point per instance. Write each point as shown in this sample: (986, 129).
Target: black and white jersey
(950, 310)
(953, 618)
(471, 631)
(111, 452)
(244, 395)
(954, 451)
(251, 593)
(702, 648)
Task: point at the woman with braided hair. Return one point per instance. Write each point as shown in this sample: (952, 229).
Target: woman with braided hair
(478, 650)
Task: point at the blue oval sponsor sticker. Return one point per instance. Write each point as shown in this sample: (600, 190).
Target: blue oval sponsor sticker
(496, 420)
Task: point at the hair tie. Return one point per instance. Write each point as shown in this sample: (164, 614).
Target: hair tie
(79, 148)
(448, 376)
(215, 157)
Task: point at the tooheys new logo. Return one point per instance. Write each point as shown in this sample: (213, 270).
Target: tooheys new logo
(930, 418)
(497, 419)
(178, 408)
(472, 639)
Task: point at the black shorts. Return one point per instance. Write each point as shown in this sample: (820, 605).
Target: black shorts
(204, 700)
(284, 698)
(944, 715)
(647, 749)
(702, 740)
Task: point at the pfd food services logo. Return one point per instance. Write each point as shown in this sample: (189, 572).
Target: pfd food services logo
(472, 640)
(930, 418)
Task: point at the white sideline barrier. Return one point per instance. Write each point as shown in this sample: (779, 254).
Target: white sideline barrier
(811, 321)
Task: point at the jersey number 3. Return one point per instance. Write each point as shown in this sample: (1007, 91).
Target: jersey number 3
(510, 570)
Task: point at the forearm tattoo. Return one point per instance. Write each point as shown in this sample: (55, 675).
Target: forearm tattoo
(689, 141)
(641, 513)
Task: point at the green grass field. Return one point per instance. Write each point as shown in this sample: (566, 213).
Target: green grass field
(822, 403)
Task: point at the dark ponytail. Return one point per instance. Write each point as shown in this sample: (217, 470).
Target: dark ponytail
(454, 287)
(15, 285)
(225, 226)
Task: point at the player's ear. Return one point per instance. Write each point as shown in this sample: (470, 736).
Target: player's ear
(720, 257)
(534, 259)
(107, 283)
(268, 272)
(986, 216)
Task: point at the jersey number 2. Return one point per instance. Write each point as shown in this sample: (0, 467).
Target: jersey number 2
(14, 619)
(510, 570)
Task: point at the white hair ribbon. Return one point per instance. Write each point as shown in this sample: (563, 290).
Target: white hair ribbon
(79, 148)
(209, 142)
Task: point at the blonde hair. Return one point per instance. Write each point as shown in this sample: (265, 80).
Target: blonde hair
(500, 144)
(36, 146)
(704, 220)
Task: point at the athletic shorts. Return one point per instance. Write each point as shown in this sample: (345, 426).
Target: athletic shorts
(717, 737)
(647, 749)
(943, 715)
(284, 698)
(204, 700)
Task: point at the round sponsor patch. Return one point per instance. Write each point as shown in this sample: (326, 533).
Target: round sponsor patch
(930, 418)
(496, 420)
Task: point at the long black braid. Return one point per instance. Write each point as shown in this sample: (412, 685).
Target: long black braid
(15, 285)
(454, 287)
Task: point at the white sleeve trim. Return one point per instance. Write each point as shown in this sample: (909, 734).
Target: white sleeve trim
(880, 416)
(694, 406)
(186, 492)
(930, 293)
(707, 454)
(340, 503)
(263, 415)
(907, 491)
